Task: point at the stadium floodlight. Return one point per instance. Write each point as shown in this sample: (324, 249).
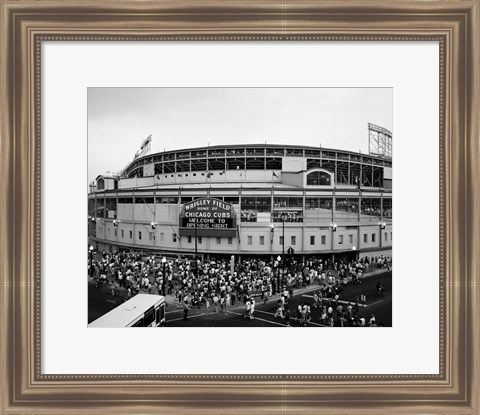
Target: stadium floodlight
(383, 225)
(115, 222)
(153, 225)
(379, 141)
(334, 227)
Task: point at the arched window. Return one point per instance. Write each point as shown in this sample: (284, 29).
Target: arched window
(100, 184)
(318, 178)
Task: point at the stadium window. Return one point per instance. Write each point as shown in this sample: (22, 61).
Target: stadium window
(373, 237)
(200, 239)
(108, 231)
(139, 235)
(162, 237)
(293, 240)
(323, 240)
(350, 239)
(386, 236)
(174, 237)
(365, 238)
(189, 239)
(318, 178)
(340, 239)
(391, 237)
(281, 240)
(230, 240)
(147, 200)
(123, 234)
(131, 234)
(115, 233)
(347, 205)
(312, 239)
(262, 240)
(219, 241)
(250, 240)
(233, 200)
(164, 200)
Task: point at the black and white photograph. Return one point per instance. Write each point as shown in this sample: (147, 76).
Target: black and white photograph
(240, 207)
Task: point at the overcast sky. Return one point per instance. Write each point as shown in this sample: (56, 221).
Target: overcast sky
(119, 119)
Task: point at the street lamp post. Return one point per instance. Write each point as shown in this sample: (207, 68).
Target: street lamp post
(196, 249)
(283, 244)
(91, 261)
(164, 261)
(279, 258)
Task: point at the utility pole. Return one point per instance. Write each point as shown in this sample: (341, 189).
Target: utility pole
(283, 252)
(196, 249)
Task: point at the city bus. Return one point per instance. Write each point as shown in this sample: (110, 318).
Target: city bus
(143, 310)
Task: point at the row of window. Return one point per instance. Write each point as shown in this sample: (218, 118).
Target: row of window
(293, 238)
(256, 203)
(344, 172)
(251, 205)
(212, 158)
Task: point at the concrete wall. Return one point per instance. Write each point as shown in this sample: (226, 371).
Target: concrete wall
(201, 177)
(294, 164)
(166, 231)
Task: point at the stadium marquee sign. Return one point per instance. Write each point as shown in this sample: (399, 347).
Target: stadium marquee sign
(207, 217)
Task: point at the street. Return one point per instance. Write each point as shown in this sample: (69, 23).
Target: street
(381, 307)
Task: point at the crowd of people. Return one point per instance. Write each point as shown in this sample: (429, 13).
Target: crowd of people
(211, 284)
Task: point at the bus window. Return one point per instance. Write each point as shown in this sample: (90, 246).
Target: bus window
(162, 314)
(139, 323)
(149, 317)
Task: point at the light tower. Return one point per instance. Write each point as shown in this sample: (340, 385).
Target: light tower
(379, 141)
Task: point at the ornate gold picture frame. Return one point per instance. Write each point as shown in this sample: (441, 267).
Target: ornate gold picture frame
(453, 24)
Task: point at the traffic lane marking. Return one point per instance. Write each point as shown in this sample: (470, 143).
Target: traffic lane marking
(347, 302)
(261, 319)
(376, 302)
(294, 319)
(181, 318)
(198, 315)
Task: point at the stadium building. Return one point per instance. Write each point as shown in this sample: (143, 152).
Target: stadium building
(246, 200)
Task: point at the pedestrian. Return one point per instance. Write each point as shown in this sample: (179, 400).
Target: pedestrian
(303, 312)
(308, 315)
(252, 309)
(279, 311)
(299, 312)
(248, 306)
(185, 310)
(287, 316)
